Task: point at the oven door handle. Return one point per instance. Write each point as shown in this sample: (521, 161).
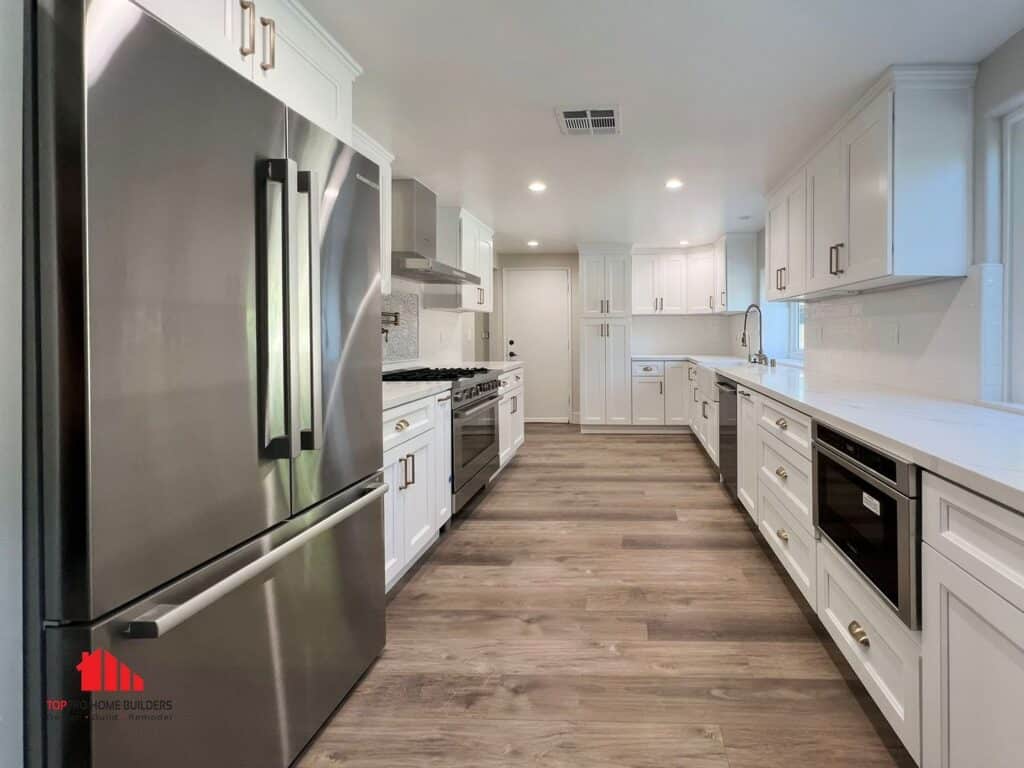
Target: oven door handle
(490, 401)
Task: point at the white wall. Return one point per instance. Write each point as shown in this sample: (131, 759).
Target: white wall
(10, 387)
(570, 261)
(446, 338)
(942, 338)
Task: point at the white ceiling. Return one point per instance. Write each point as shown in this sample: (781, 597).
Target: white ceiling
(725, 94)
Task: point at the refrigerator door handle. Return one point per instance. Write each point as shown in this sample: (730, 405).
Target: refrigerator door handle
(161, 619)
(313, 438)
(288, 444)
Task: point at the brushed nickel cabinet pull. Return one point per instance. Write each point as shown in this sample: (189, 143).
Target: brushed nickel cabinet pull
(248, 10)
(661, 388)
(405, 474)
(781, 472)
(858, 633)
(781, 423)
(271, 25)
(783, 535)
(743, 394)
(412, 460)
(711, 302)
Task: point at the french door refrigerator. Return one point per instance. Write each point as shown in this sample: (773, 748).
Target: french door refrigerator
(204, 406)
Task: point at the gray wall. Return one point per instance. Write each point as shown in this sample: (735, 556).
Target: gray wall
(10, 386)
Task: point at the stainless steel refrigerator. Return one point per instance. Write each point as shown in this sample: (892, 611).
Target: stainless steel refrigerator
(204, 406)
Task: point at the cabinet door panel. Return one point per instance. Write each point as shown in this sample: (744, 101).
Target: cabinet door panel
(721, 277)
(618, 373)
(393, 559)
(747, 450)
(973, 670)
(617, 284)
(700, 281)
(795, 274)
(593, 377)
(518, 421)
(672, 281)
(867, 154)
(505, 429)
(418, 510)
(443, 459)
(826, 192)
(645, 285)
(676, 393)
(217, 26)
(648, 401)
(777, 244)
(593, 281)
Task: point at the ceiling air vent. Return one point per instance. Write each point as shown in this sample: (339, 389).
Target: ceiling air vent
(589, 121)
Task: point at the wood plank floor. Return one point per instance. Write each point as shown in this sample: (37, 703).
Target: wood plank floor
(604, 605)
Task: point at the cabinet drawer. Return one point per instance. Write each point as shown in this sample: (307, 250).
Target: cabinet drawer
(510, 380)
(792, 543)
(887, 655)
(407, 421)
(791, 427)
(788, 474)
(982, 537)
(648, 367)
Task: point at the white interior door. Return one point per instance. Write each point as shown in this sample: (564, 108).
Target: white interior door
(536, 311)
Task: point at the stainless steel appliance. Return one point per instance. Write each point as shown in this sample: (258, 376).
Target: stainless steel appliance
(474, 424)
(865, 502)
(414, 237)
(207, 384)
(727, 436)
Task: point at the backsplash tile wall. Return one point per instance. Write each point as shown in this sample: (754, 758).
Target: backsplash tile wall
(403, 341)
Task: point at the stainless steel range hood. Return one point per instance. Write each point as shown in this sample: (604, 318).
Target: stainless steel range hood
(414, 237)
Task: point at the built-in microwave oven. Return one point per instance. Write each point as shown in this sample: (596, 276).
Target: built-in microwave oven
(865, 503)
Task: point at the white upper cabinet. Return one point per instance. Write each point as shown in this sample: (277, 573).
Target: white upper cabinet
(225, 29)
(786, 239)
(277, 44)
(888, 193)
(467, 243)
(700, 281)
(735, 271)
(605, 280)
(303, 66)
(659, 283)
(365, 145)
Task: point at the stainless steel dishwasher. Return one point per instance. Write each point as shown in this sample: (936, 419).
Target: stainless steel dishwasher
(727, 445)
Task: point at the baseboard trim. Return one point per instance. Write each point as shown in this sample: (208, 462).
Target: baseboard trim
(543, 420)
(631, 429)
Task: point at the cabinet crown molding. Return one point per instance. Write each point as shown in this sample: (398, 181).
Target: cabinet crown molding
(327, 38)
(365, 144)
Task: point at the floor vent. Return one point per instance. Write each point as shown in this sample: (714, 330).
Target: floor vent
(589, 121)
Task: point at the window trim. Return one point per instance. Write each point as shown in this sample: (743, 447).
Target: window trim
(1008, 122)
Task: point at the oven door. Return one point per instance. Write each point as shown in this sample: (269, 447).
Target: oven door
(474, 439)
(873, 525)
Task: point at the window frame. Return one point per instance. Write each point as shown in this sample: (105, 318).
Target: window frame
(793, 349)
(1010, 121)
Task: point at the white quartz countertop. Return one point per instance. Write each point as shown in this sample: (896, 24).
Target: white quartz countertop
(711, 361)
(401, 392)
(977, 447)
(497, 365)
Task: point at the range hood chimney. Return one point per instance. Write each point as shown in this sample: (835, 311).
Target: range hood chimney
(414, 237)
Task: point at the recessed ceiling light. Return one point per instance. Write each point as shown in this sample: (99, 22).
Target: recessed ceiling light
(674, 184)
(684, 242)
(532, 243)
(537, 186)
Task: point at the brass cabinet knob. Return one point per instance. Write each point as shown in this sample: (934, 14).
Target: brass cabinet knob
(781, 423)
(781, 472)
(858, 633)
(401, 425)
(783, 535)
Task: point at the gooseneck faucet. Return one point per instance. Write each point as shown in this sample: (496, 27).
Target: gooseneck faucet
(758, 357)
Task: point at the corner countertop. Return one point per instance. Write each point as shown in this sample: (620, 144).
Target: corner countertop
(712, 361)
(402, 392)
(978, 447)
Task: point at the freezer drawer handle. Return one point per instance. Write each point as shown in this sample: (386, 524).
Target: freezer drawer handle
(313, 438)
(161, 619)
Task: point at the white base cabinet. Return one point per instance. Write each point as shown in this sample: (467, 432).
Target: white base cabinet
(972, 628)
(443, 459)
(677, 391)
(415, 444)
(747, 437)
(511, 416)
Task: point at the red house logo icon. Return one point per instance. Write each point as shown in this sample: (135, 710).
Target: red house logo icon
(101, 671)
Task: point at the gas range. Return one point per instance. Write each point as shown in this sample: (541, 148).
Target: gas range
(469, 385)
